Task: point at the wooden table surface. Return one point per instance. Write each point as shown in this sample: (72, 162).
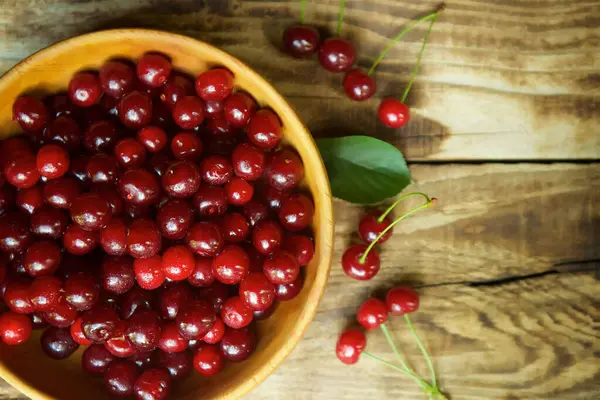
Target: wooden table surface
(505, 131)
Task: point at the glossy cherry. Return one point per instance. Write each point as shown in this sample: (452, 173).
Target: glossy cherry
(358, 85)
(95, 359)
(179, 364)
(350, 345)
(42, 258)
(301, 41)
(116, 78)
(267, 236)
(402, 300)
(337, 54)
(137, 297)
(284, 169)
(14, 328)
(144, 239)
(61, 192)
(274, 197)
(213, 110)
(117, 274)
(255, 212)
(17, 297)
(77, 333)
(82, 291)
(48, 223)
(135, 110)
(209, 360)
(238, 109)
(84, 89)
(216, 333)
(52, 161)
(30, 113)
(216, 170)
(175, 218)
(235, 227)
(113, 237)
(90, 211)
(175, 88)
(130, 153)
(153, 69)
(149, 273)
(289, 291)
(281, 267)
(14, 232)
(99, 323)
(205, 239)
(239, 192)
(153, 138)
(182, 179)
(178, 262)
(45, 292)
(210, 201)
(188, 112)
(231, 265)
(264, 129)
(152, 384)
(186, 146)
(21, 171)
(101, 135)
(301, 246)
(296, 212)
(372, 313)
(79, 242)
(120, 378)
(352, 266)
(57, 343)
(393, 113)
(369, 227)
(195, 319)
(103, 168)
(171, 341)
(172, 299)
(235, 313)
(218, 128)
(257, 291)
(238, 344)
(143, 329)
(214, 84)
(139, 187)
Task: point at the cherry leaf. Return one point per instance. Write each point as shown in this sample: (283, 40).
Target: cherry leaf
(363, 169)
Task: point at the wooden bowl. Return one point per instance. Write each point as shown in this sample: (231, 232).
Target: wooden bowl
(49, 71)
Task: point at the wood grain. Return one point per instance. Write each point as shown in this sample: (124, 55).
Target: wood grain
(500, 80)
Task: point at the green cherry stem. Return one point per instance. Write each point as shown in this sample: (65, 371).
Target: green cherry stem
(389, 339)
(394, 204)
(399, 36)
(416, 67)
(340, 18)
(302, 10)
(423, 350)
(419, 381)
(363, 258)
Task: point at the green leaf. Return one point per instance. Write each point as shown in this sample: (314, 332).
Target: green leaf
(363, 169)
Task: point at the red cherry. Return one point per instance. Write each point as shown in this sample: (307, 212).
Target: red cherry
(209, 361)
(195, 319)
(261, 315)
(239, 192)
(402, 300)
(103, 168)
(100, 136)
(350, 345)
(153, 70)
(182, 179)
(337, 55)
(116, 78)
(130, 153)
(301, 246)
(148, 272)
(82, 291)
(214, 84)
(238, 109)
(143, 329)
(372, 313)
(99, 323)
(393, 113)
(267, 237)
(177, 86)
(139, 187)
(218, 127)
(264, 129)
(213, 110)
(91, 212)
(30, 113)
(15, 236)
(178, 262)
(354, 268)
(281, 267)
(52, 161)
(172, 299)
(179, 365)
(78, 241)
(171, 340)
(296, 212)
(202, 275)
(95, 359)
(62, 315)
(14, 328)
(216, 333)
(44, 292)
(210, 201)
(84, 89)
(248, 161)
(188, 112)
(135, 110)
(175, 218)
(153, 138)
(144, 239)
(257, 291)
(205, 239)
(301, 41)
(117, 274)
(119, 345)
(109, 193)
(216, 170)
(57, 343)
(235, 227)
(61, 192)
(235, 313)
(136, 298)
(255, 212)
(274, 197)
(358, 85)
(59, 104)
(153, 384)
(42, 258)
(186, 146)
(144, 359)
(77, 333)
(120, 378)
(21, 171)
(291, 290)
(16, 296)
(113, 237)
(238, 344)
(231, 265)
(284, 169)
(369, 227)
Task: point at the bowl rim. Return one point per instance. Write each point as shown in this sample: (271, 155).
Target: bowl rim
(322, 182)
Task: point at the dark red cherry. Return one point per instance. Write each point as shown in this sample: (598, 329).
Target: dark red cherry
(17, 297)
(153, 69)
(216, 333)
(301, 41)
(172, 298)
(139, 187)
(208, 360)
(175, 88)
(7, 199)
(30, 113)
(59, 104)
(175, 218)
(402, 300)
(239, 192)
(358, 85)
(119, 345)
(120, 378)
(248, 161)
(109, 193)
(179, 365)
(218, 127)
(210, 201)
(48, 223)
(85, 89)
(21, 171)
(369, 227)
(178, 262)
(202, 275)
(153, 384)
(267, 237)
(235, 227)
(45, 292)
(30, 200)
(15, 236)
(255, 212)
(153, 138)
(90, 211)
(62, 315)
(148, 272)
(144, 359)
(289, 291)
(264, 129)
(372, 313)
(52, 161)
(301, 246)
(281, 267)
(261, 315)
(257, 291)
(144, 239)
(79, 168)
(350, 345)
(182, 179)
(136, 298)
(116, 78)
(188, 112)
(238, 109)
(213, 110)
(57, 343)
(337, 54)
(216, 293)
(296, 212)
(284, 169)
(82, 291)
(95, 359)
(42, 258)
(61, 192)
(354, 268)
(130, 153)
(99, 323)
(393, 113)
(231, 265)
(186, 146)
(235, 313)
(216, 170)
(214, 84)
(238, 344)
(100, 136)
(135, 110)
(117, 274)
(77, 333)
(78, 241)
(143, 329)
(171, 341)
(195, 319)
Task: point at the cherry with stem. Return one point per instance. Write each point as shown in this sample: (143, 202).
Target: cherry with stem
(337, 54)
(301, 40)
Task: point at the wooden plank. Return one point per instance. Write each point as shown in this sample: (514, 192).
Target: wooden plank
(532, 339)
(500, 80)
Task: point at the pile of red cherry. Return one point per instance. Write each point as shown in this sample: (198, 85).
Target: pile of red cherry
(151, 218)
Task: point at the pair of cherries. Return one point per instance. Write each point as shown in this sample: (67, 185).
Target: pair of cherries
(339, 55)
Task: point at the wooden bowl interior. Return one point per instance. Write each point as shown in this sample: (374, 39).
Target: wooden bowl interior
(49, 71)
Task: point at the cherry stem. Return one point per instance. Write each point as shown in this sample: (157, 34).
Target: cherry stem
(399, 36)
(389, 339)
(340, 18)
(416, 68)
(390, 208)
(363, 258)
(423, 350)
(302, 10)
